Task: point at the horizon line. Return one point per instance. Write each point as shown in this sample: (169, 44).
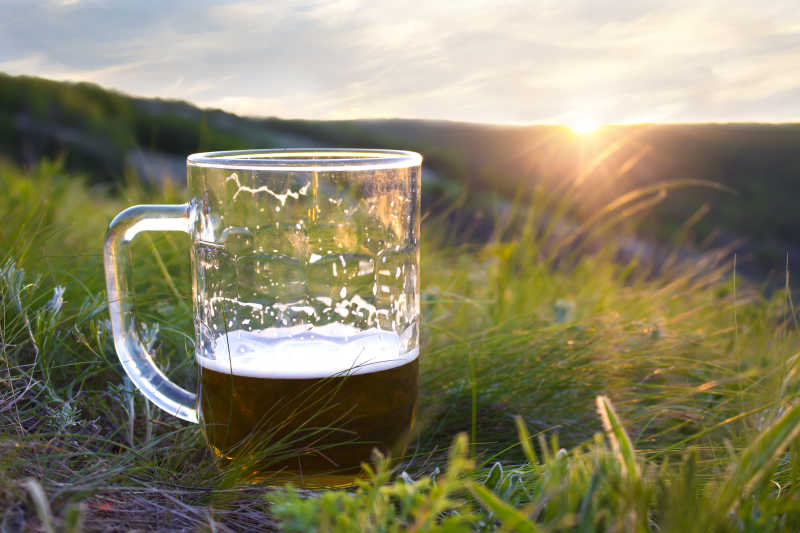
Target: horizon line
(514, 124)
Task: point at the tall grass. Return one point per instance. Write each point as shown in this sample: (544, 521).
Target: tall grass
(562, 389)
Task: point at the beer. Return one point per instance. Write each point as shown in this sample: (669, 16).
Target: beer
(307, 404)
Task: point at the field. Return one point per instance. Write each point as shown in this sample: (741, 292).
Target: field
(108, 135)
(566, 385)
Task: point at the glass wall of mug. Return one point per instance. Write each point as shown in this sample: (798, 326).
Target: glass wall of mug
(306, 301)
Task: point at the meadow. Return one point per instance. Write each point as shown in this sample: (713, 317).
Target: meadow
(566, 385)
(561, 390)
(105, 134)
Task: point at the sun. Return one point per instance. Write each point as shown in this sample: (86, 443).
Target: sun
(584, 126)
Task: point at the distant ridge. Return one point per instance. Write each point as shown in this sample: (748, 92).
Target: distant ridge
(106, 134)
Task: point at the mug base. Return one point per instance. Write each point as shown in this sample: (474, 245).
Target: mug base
(309, 482)
(285, 475)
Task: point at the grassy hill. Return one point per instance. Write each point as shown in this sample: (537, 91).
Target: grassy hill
(701, 368)
(565, 385)
(108, 135)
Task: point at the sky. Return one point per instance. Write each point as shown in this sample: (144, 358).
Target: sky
(520, 62)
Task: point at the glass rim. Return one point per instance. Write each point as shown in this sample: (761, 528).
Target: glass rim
(306, 159)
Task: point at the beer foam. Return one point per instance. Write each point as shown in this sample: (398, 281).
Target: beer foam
(305, 351)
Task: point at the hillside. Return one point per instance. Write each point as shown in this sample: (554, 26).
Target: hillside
(701, 368)
(108, 135)
(564, 385)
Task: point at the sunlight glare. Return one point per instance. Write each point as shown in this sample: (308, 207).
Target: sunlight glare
(583, 126)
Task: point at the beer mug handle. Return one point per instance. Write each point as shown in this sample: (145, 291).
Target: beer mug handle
(135, 358)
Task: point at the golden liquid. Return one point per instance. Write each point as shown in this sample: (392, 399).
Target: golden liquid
(312, 432)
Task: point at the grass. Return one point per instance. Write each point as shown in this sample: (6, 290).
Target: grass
(562, 389)
(104, 133)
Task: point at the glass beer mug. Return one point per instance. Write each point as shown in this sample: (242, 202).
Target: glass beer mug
(306, 307)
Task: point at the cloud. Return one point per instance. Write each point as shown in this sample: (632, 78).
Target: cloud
(519, 61)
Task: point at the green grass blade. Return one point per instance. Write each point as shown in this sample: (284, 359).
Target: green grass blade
(512, 519)
(525, 441)
(757, 459)
(165, 272)
(620, 442)
(73, 520)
